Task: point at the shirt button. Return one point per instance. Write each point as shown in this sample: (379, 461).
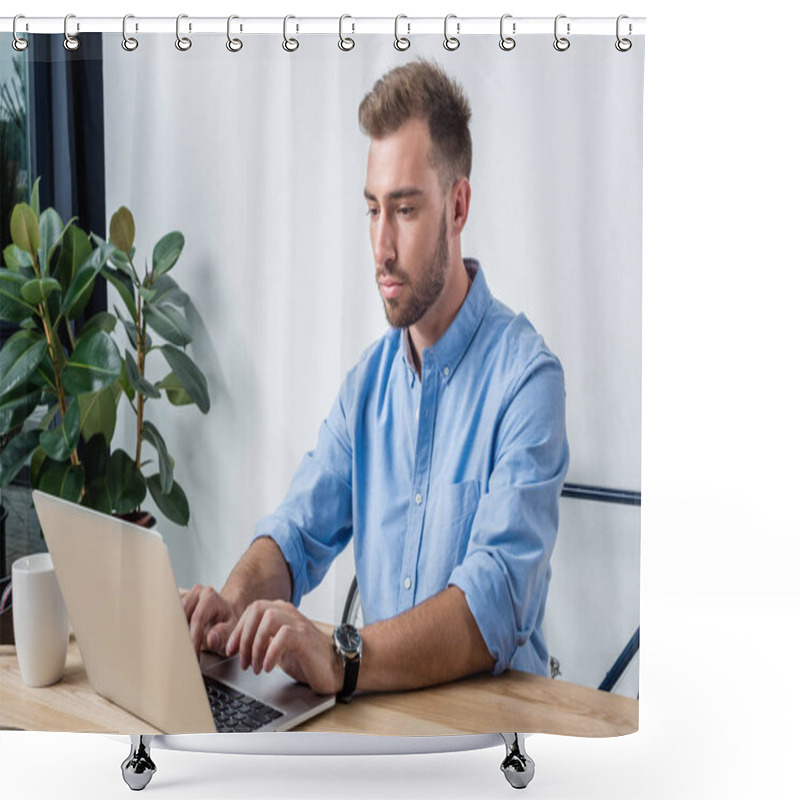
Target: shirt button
(407, 583)
(417, 500)
(417, 413)
(446, 371)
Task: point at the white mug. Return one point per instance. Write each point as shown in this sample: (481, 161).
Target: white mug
(41, 625)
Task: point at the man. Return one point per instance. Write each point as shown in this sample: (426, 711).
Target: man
(443, 456)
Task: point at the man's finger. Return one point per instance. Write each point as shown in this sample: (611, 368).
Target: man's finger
(218, 637)
(280, 644)
(248, 625)
(189, 601)
(232, 645)
(206, 612)
(272, 622)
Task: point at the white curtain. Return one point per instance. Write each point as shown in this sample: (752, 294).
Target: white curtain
(257, 158)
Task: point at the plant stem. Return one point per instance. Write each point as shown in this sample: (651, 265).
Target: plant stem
(51, 346)
(139, 396)
(52, 338)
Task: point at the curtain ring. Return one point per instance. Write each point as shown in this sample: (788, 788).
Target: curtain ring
(623, 45)
(289, 45)
(70, 42)
(507, 42)
(183, 43)
(345, 42)
(234, 45)
(128, 42)
(400, 42)
(451, 42)
(561, 43)
(19, 44)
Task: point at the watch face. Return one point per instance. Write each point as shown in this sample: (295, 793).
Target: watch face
(348, 638)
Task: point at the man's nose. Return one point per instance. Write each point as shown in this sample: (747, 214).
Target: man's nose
(383, 244)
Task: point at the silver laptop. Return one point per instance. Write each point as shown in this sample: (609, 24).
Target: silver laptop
(126, 612)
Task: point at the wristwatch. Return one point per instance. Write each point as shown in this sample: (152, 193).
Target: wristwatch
(347, 643)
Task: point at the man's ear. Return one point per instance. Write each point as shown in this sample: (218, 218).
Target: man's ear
(461, 194)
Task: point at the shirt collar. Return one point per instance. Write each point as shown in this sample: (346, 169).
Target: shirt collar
(451, 346)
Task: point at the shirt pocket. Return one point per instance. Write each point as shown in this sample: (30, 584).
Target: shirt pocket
(448, 521)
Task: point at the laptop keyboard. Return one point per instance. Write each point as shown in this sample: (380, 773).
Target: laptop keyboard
(237, 712)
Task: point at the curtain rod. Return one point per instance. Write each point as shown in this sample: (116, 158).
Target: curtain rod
(461, 26)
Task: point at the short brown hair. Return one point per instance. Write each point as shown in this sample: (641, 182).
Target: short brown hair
(422, 90)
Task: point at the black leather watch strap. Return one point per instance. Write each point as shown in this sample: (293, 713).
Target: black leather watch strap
(351, 666)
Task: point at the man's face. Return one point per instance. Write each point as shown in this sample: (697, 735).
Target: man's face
(408, 223)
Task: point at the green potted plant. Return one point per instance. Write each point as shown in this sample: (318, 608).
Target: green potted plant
(79, 377)
(47, 279)
(155, 305)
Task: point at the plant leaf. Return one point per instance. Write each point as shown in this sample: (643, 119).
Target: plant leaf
(137, 380)
(15, 454)
(151, 434)
(75, 248)
(37, 461)
(16, 260)
(98, 496)
(189, 375)
(99, 412)
(50, 229)
(122, 229)
(126, 484)
(96, 456)
(131, 330)
(16, 407)
(94, 365)
(95, 462)
(168, 323)
(37, 290)
(102, 321)
(50, 415)
(80, 290)
(167, 292)
(133, 333)
(174, 505)
(121, 260)
(125, 383)
(25, 229)
(176, 394)
(60, 240)
(59, 442)
(35, 197)
(13, 307)
(167, 251)
(124, 286)
(44, 375)
(147, 294)
(123, 264)
(62, 479)
(19, 358)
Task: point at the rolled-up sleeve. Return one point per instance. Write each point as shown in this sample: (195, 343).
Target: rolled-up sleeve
(505, 572)
(314, 522)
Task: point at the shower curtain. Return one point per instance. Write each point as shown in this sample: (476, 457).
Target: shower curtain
(257, 158)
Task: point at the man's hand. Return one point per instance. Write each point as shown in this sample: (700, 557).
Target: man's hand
(274, 633)
(211, 619)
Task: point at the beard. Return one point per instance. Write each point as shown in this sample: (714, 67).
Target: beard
(422, 293)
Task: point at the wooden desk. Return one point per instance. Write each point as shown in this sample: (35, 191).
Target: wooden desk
(514, 701)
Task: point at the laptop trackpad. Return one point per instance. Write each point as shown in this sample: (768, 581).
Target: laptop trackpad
(274, 688)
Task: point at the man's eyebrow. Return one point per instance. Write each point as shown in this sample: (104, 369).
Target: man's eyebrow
(397, 194)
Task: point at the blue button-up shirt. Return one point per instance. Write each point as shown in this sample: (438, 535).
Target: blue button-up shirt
(450, 477)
